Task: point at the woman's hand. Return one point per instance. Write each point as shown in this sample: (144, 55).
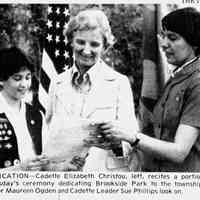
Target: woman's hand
(95, 138)
(115, 131)
(108, 135)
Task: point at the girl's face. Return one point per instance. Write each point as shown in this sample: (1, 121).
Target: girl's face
(88, 47)
(18, 84)
(176, 49)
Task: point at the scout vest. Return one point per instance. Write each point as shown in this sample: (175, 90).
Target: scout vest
(9, 154)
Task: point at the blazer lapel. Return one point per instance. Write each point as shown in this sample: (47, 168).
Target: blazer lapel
(64, 92)
(97, 96)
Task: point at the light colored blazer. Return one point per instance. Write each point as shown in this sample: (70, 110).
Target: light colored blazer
(110, 98)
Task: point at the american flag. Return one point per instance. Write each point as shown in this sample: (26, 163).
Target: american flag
(57, 54)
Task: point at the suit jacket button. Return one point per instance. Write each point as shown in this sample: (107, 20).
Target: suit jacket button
(177, 98)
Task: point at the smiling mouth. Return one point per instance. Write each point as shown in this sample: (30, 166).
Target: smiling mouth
(22, 91)
(86, 58)
(169, 54)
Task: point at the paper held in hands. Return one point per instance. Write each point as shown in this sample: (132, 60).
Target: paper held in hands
(65, 145)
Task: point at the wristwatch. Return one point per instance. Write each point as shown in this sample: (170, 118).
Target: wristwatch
(135, 143)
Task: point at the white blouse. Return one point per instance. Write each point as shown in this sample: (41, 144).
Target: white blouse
(18, 121)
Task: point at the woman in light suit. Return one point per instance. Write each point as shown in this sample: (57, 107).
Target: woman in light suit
(91, 91)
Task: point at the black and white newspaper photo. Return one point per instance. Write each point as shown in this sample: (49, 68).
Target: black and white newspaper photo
(100, 100)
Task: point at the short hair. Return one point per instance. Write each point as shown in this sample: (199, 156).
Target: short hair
(186, 22)
(90, 19)
(12, 60)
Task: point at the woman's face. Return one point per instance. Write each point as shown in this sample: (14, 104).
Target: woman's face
(176, 49)
(88, 47)
(17, 85)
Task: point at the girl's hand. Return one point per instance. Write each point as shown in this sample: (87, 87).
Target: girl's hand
(36, 164)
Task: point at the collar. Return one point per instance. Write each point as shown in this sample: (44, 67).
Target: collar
(93, 71)
(4, 107)
(2, 104)
(179, 69)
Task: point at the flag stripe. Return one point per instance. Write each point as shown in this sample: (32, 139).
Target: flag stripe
(44, 80)
(49, 66)
(43, 97)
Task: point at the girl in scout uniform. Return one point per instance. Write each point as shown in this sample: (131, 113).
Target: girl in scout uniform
(21, 125)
